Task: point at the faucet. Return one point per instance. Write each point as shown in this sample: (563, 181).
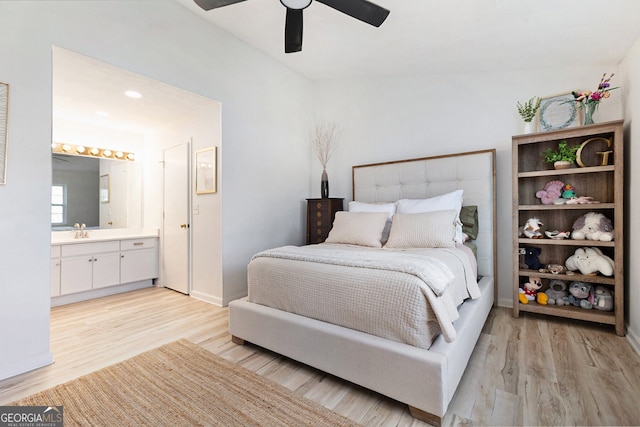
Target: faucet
(81, 231)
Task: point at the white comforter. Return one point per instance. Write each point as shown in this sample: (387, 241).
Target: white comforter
(405, 295)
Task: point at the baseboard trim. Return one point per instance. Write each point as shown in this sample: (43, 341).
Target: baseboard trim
(102, 292)
(206, 298)
(26, 365)
(634, 340)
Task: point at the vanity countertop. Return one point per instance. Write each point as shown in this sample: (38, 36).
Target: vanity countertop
(101, 235)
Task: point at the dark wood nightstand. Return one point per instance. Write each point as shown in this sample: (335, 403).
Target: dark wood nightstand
(320, 214)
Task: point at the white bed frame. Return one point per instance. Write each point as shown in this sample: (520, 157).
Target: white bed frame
(426, 380)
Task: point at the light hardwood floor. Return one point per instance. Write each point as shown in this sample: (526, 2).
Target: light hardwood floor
(526, 371)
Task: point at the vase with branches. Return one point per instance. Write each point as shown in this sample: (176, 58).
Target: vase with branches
(324, 140)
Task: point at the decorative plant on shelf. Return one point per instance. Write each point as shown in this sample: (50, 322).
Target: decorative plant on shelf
(528, 109)
(564, 153)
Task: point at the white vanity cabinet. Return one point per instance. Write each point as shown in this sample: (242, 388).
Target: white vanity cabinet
(55, 271)
(106, 263)
(86, 266)
(138, 259)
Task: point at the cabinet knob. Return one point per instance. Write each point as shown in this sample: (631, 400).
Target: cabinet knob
(319, 214)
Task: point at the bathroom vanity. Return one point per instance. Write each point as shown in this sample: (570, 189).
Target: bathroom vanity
(107, 262)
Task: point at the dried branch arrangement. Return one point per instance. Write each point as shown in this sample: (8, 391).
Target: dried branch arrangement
(324, 140)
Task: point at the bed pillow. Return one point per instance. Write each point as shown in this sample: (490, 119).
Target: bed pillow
(358, 228)
(452, 200)
(469, 219)
(389, 208)
(435, 229)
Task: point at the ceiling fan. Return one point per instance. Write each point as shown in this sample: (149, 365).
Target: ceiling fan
(363, 10)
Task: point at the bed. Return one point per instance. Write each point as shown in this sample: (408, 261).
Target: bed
(423, 370)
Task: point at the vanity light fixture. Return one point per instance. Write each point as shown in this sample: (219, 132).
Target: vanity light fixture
(82, 150)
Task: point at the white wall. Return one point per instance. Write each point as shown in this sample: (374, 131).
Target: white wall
(265, 117)
(631, 94)
(406, 117)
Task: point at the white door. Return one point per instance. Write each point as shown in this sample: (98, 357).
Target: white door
(118, 196)
(176, 231)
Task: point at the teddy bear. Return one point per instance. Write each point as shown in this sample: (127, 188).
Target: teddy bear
(580, 295)
(557, 293)
(602, 298)
(531, 257)
(529, 291)
(552, 191)
(590, 261)
(593, 226)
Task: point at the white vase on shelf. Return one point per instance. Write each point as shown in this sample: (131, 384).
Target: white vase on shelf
(529, 127)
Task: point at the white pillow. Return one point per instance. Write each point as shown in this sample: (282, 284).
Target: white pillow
(446, 201)
(435, 229)
(390, 208)
(358, 228)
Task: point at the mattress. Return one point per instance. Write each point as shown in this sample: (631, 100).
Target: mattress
(409, 296)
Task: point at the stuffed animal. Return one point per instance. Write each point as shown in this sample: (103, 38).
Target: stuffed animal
(580, 294)
(590, 261)
(532, 229)
(531, 257)
(557, 293)
(552, 191)
(553, 269)
(602, 298)
(568, 191)
(529, 291)
(582, 200)
(593, 226)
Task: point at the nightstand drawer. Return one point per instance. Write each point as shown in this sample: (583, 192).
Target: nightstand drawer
(320, 215)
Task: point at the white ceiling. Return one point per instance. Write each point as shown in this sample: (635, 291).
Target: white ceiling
(439, 36)
(83, 86)
(424, 37)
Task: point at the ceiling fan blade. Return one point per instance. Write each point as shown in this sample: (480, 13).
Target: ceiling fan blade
(293, 31)
(214, 4)
(360, 9)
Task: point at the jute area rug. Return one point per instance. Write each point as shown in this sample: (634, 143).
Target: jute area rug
(181, 384)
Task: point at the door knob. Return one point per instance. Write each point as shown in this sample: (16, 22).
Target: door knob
(184, 225)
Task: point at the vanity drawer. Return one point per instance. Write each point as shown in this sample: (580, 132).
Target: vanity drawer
(90, 248)
(145, 243)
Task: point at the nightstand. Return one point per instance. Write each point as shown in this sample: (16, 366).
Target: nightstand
(320, 214)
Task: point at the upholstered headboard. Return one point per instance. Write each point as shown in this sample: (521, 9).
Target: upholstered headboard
(474, 172)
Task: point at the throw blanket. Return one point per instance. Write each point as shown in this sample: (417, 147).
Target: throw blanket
(433, 272)
(431, 276)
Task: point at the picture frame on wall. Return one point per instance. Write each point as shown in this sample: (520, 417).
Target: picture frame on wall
(104, 188)
(558, 112)
(206, 170)
(4, 124)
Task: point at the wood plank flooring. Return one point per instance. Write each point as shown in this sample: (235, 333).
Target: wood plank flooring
(526, 371)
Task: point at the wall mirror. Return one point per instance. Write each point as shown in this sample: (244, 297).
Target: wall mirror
(100, 193)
